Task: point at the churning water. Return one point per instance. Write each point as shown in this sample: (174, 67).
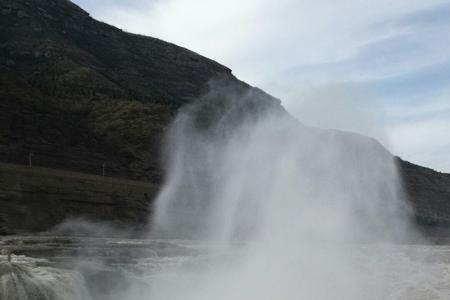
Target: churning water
(406, 272)
(30, 279)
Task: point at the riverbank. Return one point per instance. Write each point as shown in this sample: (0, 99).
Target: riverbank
(36, 199)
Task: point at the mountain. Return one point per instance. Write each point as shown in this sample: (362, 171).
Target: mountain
(78, 94)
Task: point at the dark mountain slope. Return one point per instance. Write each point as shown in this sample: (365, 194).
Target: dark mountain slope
(429, 193)
(79, 94)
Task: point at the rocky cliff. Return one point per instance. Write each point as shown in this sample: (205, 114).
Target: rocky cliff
(77, 94)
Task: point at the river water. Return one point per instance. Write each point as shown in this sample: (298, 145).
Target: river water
(45, 267)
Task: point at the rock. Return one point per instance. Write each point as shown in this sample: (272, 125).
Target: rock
(6, 11)
(10, 63)
(22, 14)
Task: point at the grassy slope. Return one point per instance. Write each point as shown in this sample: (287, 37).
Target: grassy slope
(52, 196)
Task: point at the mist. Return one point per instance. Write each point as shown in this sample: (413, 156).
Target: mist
(126, 173)
(255, 205)
(289, 212)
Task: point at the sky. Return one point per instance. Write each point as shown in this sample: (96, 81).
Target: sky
(380, 67)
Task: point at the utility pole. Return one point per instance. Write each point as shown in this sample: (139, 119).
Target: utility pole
(103, 169)
(30, 160)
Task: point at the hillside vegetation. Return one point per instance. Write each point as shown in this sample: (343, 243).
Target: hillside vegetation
(38, 199)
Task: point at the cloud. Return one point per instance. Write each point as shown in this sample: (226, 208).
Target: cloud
(387, 52)
(437, 15)
(101, 8)
(262, 34)
(420, 130)
(423, 142)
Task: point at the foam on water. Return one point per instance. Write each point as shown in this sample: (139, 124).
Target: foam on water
(396, 272)
(27, 279)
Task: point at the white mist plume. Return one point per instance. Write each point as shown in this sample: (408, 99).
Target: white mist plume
(236, 168)
(241, 169)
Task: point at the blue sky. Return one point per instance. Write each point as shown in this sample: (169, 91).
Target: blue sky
(381, 68)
